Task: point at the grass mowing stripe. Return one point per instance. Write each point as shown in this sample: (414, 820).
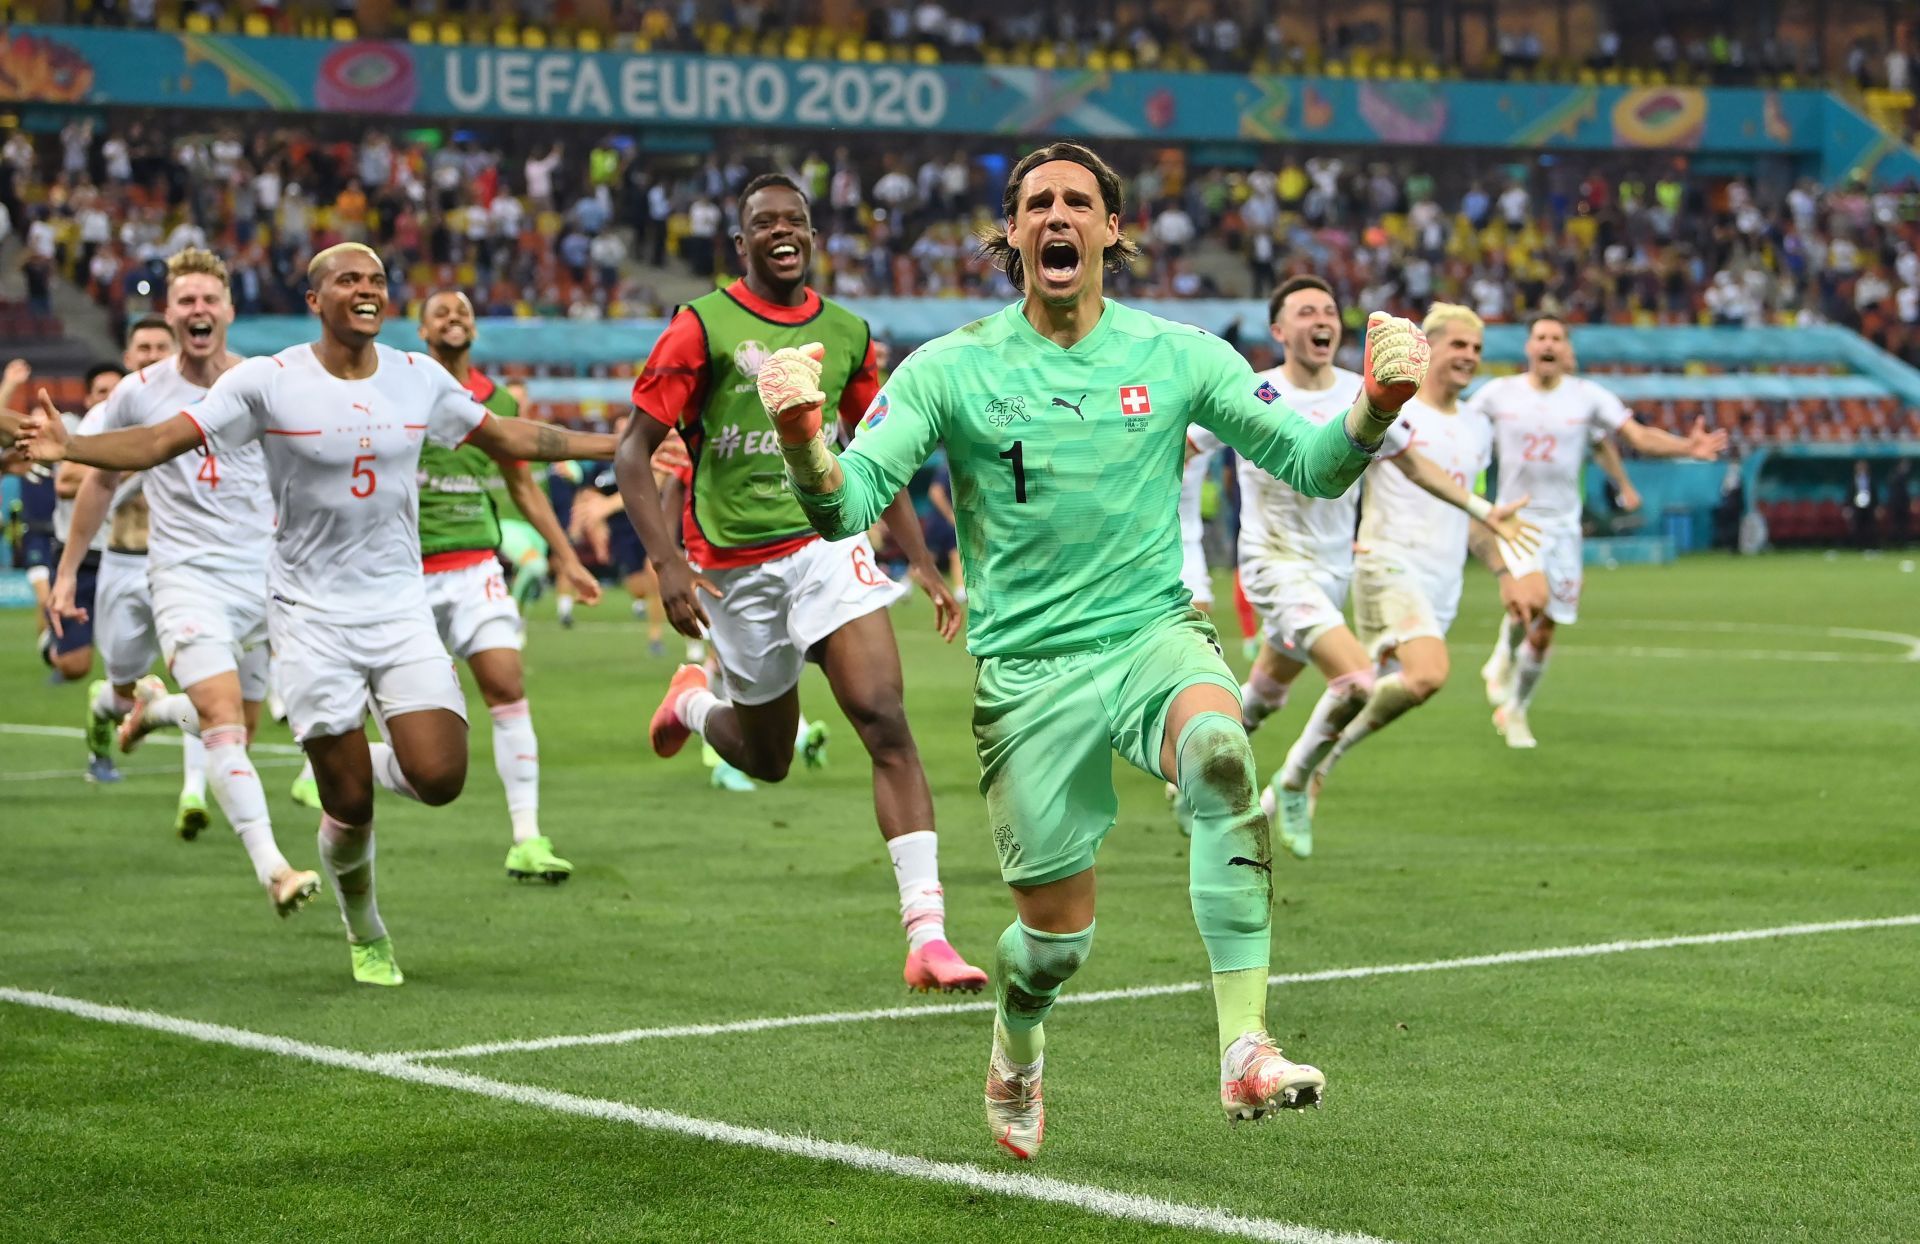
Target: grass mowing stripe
(164, 739)
(1103, 1201)
(1502, 958)
(80, 775)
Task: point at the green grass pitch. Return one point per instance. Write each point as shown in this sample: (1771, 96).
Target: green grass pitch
(1725, 745)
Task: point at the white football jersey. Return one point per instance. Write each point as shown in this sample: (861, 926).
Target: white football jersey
(1402, 522)
(213, 510)
(343, 457)
(1278, 523)
(63, 506)
(1542, 438)
(1193, 479)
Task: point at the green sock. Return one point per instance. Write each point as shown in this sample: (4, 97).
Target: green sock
(1239, 1003)
(1030, 966)
(1230, 867)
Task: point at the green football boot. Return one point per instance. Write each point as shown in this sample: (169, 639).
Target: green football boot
(306, 791)
(100, 730)
(813, 747)
(534, 860)
(1294, 810)
(374, 964)
(190, 817)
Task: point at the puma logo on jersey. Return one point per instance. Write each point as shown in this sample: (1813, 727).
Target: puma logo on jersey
(1072, 406)
(363, 408)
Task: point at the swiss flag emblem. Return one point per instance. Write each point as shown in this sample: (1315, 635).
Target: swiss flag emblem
(1134, 400)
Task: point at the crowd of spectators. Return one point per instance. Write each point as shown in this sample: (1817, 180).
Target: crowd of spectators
(1526, 41)
(595, 227)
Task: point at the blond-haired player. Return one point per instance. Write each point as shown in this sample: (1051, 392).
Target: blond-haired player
(1407, 574)
(1545, 420)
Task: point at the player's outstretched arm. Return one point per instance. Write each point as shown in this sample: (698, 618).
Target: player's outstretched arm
(523, 440)
(130, 449)
(1513, 597)
(1698, 444)
(1503, 520)
(845, 495)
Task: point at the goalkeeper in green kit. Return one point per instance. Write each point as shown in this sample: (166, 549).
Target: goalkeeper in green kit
(1064, 420)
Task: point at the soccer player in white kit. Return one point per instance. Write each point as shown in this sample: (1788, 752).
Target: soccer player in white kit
(1545, 420)
(1296, 554)
(1407, 573)
(342, 420)
(212, 522)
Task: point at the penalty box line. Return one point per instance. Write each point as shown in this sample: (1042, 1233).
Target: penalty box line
(1106, 1202)
(768, 1023)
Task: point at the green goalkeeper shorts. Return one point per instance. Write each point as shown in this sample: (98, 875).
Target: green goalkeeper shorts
(1046, 728)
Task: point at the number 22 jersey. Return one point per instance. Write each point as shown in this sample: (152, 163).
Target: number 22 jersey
(343, 458)
(1541, 440)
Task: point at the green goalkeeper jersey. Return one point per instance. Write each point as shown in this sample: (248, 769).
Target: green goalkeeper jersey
(1067, 465)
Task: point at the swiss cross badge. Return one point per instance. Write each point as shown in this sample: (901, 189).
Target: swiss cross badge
(366, 442)
(1134, 400)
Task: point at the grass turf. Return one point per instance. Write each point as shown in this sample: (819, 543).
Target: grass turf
(1715, 755)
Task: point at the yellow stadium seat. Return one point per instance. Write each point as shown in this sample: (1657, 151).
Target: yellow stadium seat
(795, 49)
(256, 26)
(448, 33)
(344, 30)
(506, 37)
(419, 32)
(1097, 60)
(1043, 58)
(197, 24)
(588, 40)
(1121, 61)
(847, 51)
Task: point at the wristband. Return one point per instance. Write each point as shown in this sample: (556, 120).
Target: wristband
(808, 462)
(1479, 506)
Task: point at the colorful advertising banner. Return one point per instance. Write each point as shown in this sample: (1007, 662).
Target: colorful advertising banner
(84, 66)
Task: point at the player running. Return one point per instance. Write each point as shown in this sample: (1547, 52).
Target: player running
(1545, 419)
(783, 596)
(1296, 555)
(1065, 419)
(460, 535)
(1412, 546)
(212, 531)
(342, 420)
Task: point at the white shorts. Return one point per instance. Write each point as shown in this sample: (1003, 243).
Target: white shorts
(1193, 571)
(213, 622)
(1561, 559)
(331, 673)
(473, 609)
(771, 615)
(1394, 602)
(123, 617)
(1297, 601)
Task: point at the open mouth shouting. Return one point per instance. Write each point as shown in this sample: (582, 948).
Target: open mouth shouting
(1059, 261)
(199, 330)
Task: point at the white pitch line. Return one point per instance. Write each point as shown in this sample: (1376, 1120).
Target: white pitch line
(1133, 1207)
(164, 739)
(1814, 655)
(1501, 959)
(1898, 639)
(71, 775)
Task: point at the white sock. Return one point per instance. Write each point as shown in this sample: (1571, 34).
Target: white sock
(1390, 698)
(516, 758)
(193, 765)
(176, 710)
(565, 607)
(800, 738)
(1533, 663)
(694, 707)
(916, 868)
(1261, 696)
(1500, 664)
(1339, 704)
(237, 789)
(386, 771)
(696, 652)
(109, 704)
(346, 856)
(639, 608)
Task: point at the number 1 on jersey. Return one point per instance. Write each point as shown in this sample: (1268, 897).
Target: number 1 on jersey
(1019, 460)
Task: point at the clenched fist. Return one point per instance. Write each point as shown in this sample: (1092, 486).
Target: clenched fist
(789, 384)
(1396, 361)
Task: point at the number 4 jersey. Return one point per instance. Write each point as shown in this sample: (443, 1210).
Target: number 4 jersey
(212, 510)
(343, 457)
(1541, 440)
